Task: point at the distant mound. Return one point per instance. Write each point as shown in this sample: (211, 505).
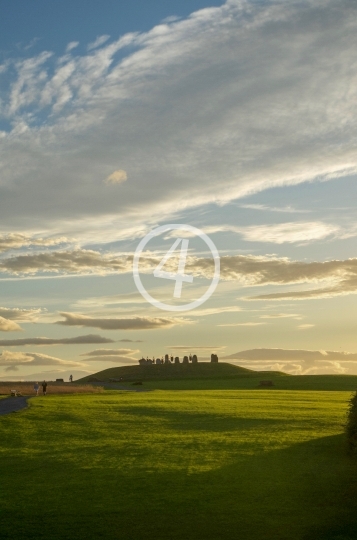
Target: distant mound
(201, 370)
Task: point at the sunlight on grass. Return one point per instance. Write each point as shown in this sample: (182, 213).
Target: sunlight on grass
(217, 450)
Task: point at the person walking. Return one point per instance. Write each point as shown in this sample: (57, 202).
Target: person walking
(36, 387)
(44, 387)
(71, 378)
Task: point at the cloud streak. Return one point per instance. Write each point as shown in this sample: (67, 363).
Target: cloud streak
(296, 361)
(19, 240)
(12, 360)
(16, 314)
(135, 323)
(79, 340)
(111, 352)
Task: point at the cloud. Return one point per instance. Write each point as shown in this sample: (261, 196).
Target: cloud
(98, 42)
(19, 240)
(119, 359)
(136, 323)
(79, 340)
(111, 352)
(243, 324)
(117, 177)
(281, 233)
(281, 316)
(48, 375)
(296, 361)
(9, 326)
(74, 261)
(12, 360)
(289, 232)
(285, 209)
(16, 314)
(173, 108)
(130, 341)
(305, 326)
(72, 45)
(337, 277)
(194, 347)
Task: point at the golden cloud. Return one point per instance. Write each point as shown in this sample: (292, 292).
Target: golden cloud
(117, 177)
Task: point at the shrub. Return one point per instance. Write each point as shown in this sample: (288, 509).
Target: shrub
(351, 426)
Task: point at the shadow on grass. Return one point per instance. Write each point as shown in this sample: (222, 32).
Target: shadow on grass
(305, 492)
(196, 421)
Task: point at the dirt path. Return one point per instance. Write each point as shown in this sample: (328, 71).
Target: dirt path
(12, 404)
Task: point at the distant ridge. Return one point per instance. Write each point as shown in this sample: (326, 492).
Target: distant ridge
(201, 370)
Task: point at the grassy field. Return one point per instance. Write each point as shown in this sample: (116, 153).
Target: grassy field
(196, 465)
(281, 382)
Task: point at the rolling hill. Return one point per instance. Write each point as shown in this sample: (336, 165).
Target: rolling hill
(201, 370)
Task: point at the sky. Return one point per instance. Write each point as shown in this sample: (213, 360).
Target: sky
(236, 118)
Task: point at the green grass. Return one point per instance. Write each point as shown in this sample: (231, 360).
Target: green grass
(195, 465)
(281, 382)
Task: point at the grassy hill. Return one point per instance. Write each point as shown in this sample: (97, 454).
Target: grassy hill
(201, 370)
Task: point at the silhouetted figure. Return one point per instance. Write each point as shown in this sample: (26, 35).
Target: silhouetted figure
(190, 358)
(44, 388)
(171, 358)
(71, 378)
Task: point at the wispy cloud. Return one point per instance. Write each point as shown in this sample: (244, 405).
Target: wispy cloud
(16, 314)
(74, 261)
(79, 340)
(136, 323)
(289, 232)
(281, 209)
(72, 45)
(174, 143)
(115, 356)
(12, 360)
(296, 361)
(111, 352)
(305, 326)
(19, 240)
(98, 42)
(195, 347)
(243, 324)
(281, 316)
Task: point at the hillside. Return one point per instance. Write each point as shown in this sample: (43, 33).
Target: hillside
(201, 370)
